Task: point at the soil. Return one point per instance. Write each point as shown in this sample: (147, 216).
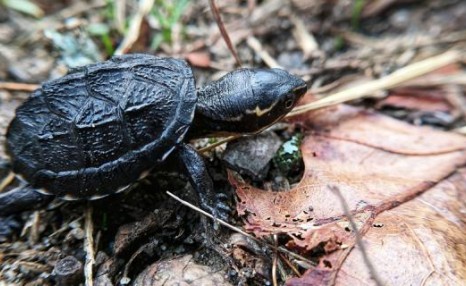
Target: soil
(328, 43)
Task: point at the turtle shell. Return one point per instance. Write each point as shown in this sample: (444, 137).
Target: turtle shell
(98, 129)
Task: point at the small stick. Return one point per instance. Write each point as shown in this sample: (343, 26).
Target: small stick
(89, 246)
(274, 262)
(17, 86)
(304, 38)
(223, 31)
(6, 181)
(218, 143)
(238, 230)
(395, 79)
(254, 44)
(460, 130)
(135, 26)
(365, 257)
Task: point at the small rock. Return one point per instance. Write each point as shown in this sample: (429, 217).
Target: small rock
(7, 33)
(291, 60)
(31, 69)
(252, 154)
(180, 271)
(400, 19)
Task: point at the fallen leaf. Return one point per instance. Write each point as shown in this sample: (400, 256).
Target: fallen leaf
(198, 59)
(429, 100)
(379, 167)
(427, 93)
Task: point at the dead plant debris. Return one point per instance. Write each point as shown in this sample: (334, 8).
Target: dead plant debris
(381, 198)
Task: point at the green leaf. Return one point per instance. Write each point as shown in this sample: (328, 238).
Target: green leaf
(24, 6)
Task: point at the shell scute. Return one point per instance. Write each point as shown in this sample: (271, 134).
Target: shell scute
(65, 96)
(99, 128)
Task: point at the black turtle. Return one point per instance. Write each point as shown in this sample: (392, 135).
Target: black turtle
(100, 128)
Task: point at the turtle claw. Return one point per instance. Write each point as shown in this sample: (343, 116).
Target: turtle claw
(221, 196)
(221, 211)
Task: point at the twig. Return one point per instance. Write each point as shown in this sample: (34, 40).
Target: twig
(223, 31)
(218, 143)
(400, 76)
(135, 26)
(254, 44)
(34, 230)
(292, 267)
(455, 97)
(120, 11)
(361, 246)
(6, 181)
(17, 86)
(397, 43)
(89, 246)
(238, 230)
(305, 40)
(274, 262)
(77, 8)
(438, 80)
(460, 130)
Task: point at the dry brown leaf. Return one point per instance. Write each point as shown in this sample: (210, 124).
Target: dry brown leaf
(426, 93)
(421, 242)
(198, 59)
(429, 100)
(377, 163)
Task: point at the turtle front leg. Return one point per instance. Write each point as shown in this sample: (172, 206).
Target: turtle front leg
(21, 199)
(196, 170)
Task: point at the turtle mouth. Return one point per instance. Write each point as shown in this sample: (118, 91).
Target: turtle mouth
(268, 125)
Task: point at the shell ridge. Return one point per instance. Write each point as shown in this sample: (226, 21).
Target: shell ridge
(128, 145)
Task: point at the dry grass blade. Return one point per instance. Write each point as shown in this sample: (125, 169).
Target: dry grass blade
(218, 143)
(395, 79)
(16, 86)
(133, 32)
(274, 263)
(305, 40)
(354, 226)
(6, 181)
(461, 130)
(263, 54)
(223, 31)
(120, 11)
(34, 234)
(89, 246)
(439, 80)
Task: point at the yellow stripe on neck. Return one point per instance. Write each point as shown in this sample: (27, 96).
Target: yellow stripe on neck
(259, 112)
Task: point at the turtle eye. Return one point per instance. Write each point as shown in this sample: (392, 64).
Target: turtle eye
(289, 100)
(289, 103)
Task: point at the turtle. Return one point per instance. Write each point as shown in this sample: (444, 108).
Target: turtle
(102, 127)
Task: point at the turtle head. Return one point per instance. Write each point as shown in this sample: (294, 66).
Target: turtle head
(246, 101)
(274, 93)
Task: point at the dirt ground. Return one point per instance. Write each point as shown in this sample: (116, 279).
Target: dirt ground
(127, 238)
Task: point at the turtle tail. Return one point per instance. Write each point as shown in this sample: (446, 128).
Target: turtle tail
(22, 198)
